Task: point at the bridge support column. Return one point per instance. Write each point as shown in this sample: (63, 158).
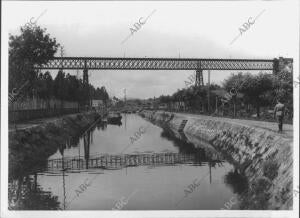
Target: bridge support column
(199, 78)
(282, 64)
(86, 87)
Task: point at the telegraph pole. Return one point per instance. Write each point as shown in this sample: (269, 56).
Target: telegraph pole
(208, 91)
(125, 96)
(62, 53)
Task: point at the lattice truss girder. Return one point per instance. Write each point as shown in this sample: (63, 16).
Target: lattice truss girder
(158, 64)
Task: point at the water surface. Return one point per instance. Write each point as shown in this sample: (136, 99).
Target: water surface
(110, 170)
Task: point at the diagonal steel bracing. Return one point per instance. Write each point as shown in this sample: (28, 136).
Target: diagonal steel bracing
(105, 63)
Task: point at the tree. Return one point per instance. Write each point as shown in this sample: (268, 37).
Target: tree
(254, 87)
(100, 94)
(44, 85)
(59, 86)
(72, 88)
(283, 89)
(32, 47)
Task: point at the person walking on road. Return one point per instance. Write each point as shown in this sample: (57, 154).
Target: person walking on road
(279, 114)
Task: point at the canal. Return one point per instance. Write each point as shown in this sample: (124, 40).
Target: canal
(134, 165)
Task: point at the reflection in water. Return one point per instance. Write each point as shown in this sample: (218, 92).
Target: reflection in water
(86, 141)
(121, 161)
(100, 126)
(125, 118)
(186, 147)
(157, 172)
(236, 181)
(117, 123)
(25, 194)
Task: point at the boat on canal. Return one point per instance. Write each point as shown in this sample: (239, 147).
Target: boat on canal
(114, 117)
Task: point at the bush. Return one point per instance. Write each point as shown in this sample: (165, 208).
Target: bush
(270, 169)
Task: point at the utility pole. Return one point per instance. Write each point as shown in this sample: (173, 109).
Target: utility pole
(62, 53)
(208, 91)
(125, 96)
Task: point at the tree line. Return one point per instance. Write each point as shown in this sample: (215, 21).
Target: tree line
(248, 92)
(67, 87)
(34, 47)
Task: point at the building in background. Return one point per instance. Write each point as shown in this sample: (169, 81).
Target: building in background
(97, 103)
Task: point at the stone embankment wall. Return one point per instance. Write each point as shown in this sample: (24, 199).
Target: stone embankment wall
(265, 158)
(29, 148)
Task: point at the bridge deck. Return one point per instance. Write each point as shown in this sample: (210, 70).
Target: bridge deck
(157, 63)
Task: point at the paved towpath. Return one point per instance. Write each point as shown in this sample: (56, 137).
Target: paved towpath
(271, 126)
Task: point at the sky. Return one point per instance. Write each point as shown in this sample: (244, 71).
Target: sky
(175, 29)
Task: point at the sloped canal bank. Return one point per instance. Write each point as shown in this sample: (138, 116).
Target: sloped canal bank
(264, 158)
(29, 148)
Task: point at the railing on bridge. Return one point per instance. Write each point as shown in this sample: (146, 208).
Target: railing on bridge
(122, 161)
